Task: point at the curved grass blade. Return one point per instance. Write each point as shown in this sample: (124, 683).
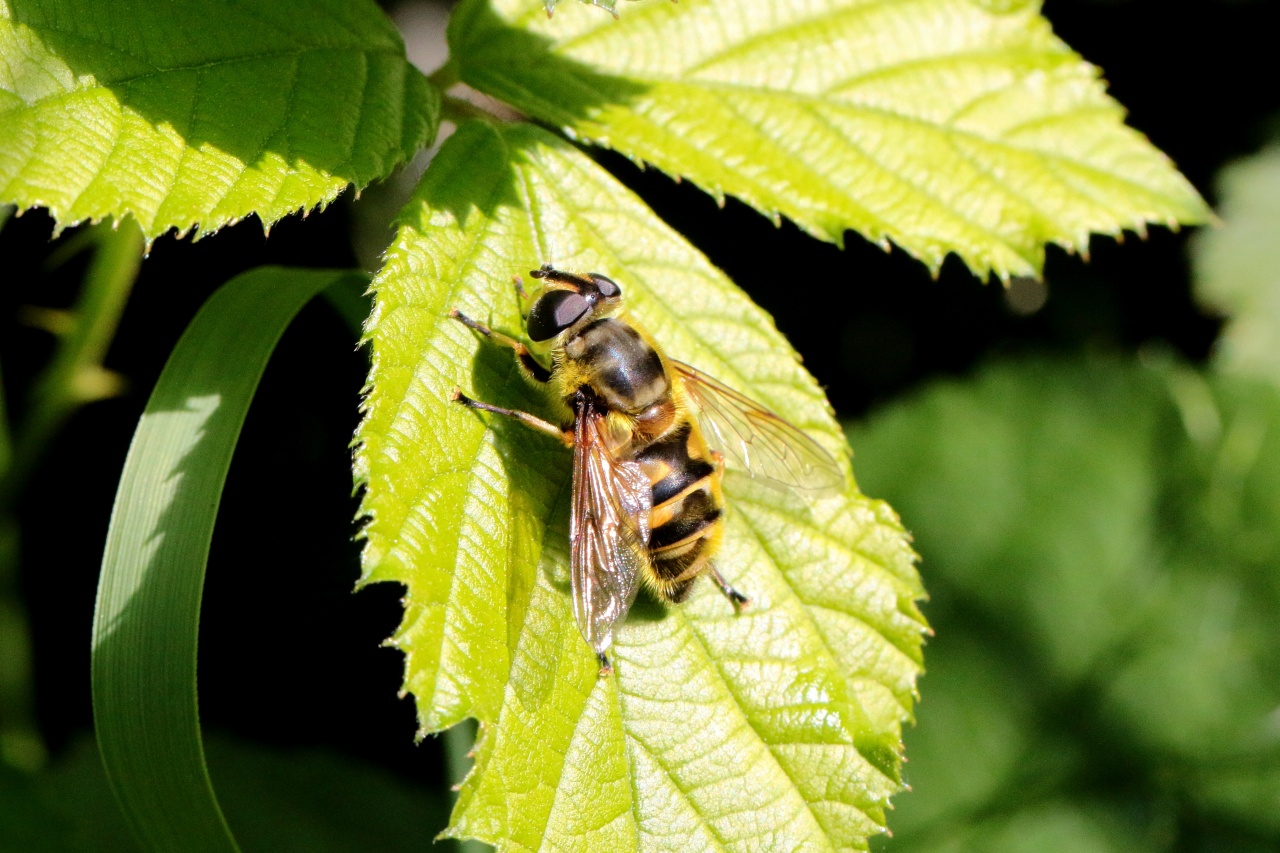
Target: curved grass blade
(147, 615)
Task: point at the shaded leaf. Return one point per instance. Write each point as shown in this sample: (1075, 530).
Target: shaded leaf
(148, 607)
(973, 752)
(777, 729)
(940, 125)
(1053, 827)
(1104, 564)
(128, 109)
(1237, 267)
(309, 801)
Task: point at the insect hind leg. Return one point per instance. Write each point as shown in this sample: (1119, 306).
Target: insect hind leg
(741, 603)
(531, 421)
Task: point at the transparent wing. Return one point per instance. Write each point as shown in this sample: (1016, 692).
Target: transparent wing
(755, 438)
(608, 531)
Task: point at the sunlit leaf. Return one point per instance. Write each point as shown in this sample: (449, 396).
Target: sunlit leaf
(777, 729)
(194, 115)
(940, 125)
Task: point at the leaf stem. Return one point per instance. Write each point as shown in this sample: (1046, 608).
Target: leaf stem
(458, 110)
(6, 438)
(76, 375)
(21, 745)
(444, 77)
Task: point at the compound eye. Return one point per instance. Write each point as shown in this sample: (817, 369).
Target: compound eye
(554, 312)
(608, 287)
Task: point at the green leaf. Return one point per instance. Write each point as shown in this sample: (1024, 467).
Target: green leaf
(1051, 827)
(973, 750)
(315, 801)
(1237, 267)
(1102, 539)
(279, 801)
(940, 125)
(777, 729)
(148, 609)
(195, 115)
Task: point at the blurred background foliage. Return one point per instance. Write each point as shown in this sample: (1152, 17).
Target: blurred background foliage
(1091, 467)
(1102, 540)
(1103, 537)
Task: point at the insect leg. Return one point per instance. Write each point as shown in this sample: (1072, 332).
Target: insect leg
(527, 362)
(532, 421)
(740, 601)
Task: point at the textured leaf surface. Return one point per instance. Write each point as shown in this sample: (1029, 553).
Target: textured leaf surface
(942, 125)
(1238, 266)
(774, 730)
(198, 114)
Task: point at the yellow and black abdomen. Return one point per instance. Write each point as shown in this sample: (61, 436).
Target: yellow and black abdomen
(684, 525)
(624, 370)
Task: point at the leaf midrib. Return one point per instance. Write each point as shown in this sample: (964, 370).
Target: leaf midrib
(390, 46)
(857, 10)
(252, 57)
(834, 672)
(1059, 58)
(604, 248)
(762, 193)
(937, 127)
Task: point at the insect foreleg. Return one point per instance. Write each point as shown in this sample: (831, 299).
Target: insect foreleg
(740, 601)
(527, 362)
(521, 293)
(532, 421)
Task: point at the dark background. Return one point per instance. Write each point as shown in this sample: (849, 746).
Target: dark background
(289, 656)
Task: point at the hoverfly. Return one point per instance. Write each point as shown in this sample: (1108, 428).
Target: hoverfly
(647, 505)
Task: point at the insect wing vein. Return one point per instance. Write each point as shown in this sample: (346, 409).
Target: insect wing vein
(608, 531)
(761, 442)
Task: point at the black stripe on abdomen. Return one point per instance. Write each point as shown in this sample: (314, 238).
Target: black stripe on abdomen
(677, 563)
(680, 479)
(672, 451)
(696, 514)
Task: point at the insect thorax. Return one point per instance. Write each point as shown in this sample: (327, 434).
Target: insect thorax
(620, 366)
